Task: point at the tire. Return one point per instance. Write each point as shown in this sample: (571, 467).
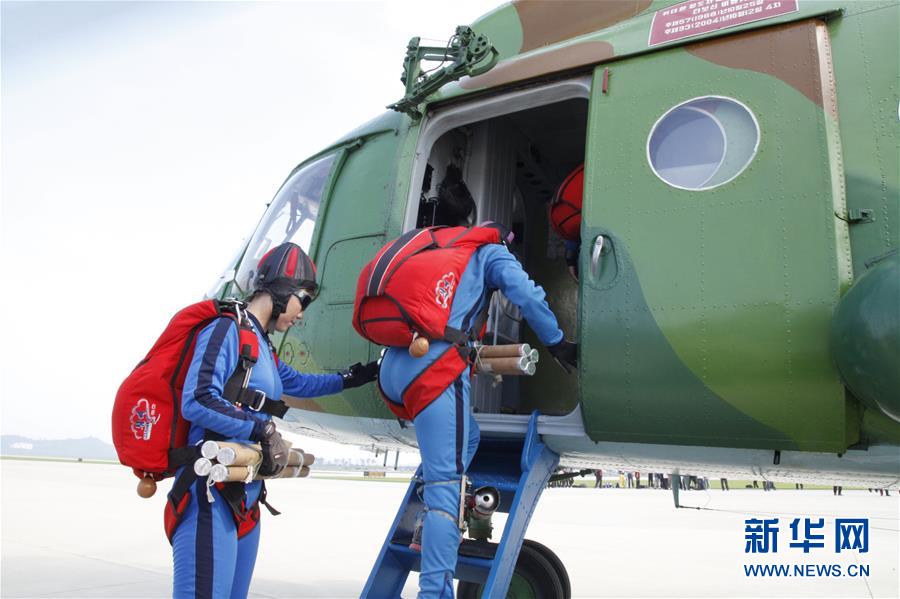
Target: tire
(535, 577)
(557, 564)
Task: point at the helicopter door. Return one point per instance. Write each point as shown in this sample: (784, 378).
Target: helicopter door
(712, 257)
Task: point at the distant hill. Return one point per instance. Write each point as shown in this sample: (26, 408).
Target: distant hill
(88, 448)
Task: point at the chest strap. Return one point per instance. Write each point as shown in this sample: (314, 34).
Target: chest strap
(237, 388)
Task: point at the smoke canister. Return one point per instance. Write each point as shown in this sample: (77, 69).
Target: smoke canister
(202, 466)
(237, 454)
(209, 450)
(296, 457)
(218, 473)
(504, 351)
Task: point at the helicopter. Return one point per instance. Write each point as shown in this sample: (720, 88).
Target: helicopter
(738, 303)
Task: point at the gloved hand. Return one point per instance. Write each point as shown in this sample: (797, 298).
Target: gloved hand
(274, 451)
(565, 353)
(360, 374)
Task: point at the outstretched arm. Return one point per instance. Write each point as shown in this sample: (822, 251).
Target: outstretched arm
(504, 272)
(300, 384)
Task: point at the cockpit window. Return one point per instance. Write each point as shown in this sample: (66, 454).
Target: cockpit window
(290, 217)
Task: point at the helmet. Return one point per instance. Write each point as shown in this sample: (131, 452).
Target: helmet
(455, 202)
(283, 271)
(565, 210)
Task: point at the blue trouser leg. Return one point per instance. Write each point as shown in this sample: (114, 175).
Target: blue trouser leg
(209, 559)
(448, 435)
(246, 560)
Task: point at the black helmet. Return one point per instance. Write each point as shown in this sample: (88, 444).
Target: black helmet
(283, 271)
(455, 202)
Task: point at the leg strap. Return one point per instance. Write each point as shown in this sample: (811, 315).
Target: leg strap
(435, 483)
(460, 483)
(444, 514)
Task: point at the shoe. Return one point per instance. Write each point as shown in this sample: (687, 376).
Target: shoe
(416, 543)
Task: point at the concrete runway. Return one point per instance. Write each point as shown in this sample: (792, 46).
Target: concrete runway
(79, 530)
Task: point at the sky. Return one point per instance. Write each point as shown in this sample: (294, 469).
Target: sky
(139, 145)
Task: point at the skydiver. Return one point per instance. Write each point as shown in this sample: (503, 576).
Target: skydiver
(446, 430)
(216, 536)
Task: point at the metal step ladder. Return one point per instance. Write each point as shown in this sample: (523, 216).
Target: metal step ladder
(519, 468)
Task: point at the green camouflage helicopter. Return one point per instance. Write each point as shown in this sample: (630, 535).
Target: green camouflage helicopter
(738, 305)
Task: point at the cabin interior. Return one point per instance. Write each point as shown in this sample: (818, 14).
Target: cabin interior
(513, 165)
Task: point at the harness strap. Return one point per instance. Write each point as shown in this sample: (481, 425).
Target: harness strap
(460, 484)
(235, 495)
(454, 481)
(432, 381)
(182, 456)
(182, 485)
(446, 515)
(237, 389)
(263, 494)
(456, 336)
(399, 410)
(177, 501)
(477, 326)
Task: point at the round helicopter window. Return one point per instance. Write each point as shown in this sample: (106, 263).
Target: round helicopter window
(703, 143)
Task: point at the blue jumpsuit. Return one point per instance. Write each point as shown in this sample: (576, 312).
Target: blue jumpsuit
(209, 559)
(446, 430)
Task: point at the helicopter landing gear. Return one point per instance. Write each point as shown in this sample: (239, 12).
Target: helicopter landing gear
(539, 574)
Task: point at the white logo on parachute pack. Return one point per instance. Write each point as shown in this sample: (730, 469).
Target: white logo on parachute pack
(443, 291)
(143, 417)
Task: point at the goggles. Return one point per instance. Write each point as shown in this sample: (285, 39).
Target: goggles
(305, 297)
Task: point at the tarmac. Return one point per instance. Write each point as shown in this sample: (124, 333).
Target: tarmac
(80, 530)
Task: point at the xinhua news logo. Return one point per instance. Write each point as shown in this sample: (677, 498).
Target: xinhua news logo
(808, 535)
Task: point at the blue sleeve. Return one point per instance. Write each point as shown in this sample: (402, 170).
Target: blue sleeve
(504, 272)
(202, 400)
(299, 384)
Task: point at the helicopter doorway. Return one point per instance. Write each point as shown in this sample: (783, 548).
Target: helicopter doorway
(514, 163)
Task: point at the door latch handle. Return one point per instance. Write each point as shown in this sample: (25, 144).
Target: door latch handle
(595, 255)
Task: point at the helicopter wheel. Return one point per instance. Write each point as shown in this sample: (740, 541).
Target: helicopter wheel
(539, 574)
(557, 564)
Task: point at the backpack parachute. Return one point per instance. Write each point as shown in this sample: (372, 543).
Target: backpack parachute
(408, 288)
(148, 430)
(565, 210)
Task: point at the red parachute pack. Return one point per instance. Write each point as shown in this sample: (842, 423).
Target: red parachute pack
(148, 430)
(565, 210)
(408, 288)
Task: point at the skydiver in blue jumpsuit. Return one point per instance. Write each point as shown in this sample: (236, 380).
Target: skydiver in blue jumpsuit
(446, 430)
(212, 556)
